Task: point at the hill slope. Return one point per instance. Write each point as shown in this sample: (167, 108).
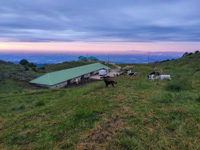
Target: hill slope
(15, 79)
(135, 114)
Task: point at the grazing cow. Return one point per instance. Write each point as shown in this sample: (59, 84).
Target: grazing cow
(116, 74)
(132, 73)
(129, 71)
(77, 80)
(154, 73)
(162, 77)
(161, 71)
(126, 71)
(151, 77)
(121, 73)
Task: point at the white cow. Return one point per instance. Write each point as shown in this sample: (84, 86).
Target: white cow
(129, 71)
(151, 77)
(162, 77)
(77, 80)
(116, 74)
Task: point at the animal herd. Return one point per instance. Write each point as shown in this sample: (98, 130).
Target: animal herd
(152, 76)
(128, 72)
(157, 76)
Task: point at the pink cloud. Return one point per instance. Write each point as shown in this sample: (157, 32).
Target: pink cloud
(97, 47)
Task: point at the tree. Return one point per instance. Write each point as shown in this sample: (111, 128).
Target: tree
(32, 65)
(185, 54)
(26, 67)
(23, 62)
(190, 54)
(197, 51)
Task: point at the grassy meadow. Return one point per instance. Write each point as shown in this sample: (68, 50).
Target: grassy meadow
(135, 114)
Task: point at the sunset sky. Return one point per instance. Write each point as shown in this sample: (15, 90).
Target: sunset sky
(103, 26)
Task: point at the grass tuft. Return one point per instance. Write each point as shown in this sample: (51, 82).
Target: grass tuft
(198, 99)
(40, 103)
(18, 107)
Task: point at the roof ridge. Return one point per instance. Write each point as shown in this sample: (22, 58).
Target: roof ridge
(75, 67)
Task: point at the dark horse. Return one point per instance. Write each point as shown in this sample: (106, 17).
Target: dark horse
(107, 82)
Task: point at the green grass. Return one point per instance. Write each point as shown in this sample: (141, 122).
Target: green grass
(151, 115)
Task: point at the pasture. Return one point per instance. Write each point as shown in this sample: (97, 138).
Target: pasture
(135, 114)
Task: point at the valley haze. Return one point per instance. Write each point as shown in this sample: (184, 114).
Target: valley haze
(138, 57)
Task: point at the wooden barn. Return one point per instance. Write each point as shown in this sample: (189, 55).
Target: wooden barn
(59, 79)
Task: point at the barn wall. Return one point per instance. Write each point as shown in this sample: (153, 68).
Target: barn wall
(59, 85)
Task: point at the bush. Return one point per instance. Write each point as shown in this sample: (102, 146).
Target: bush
(26, 67)
(198, 99)
(42, 68)
(185, 54)
(34, 69)
(40, 103)
(190, 54)
(32, 65)
(23, 62)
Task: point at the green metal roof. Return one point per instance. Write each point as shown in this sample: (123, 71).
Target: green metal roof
(67, 74)
(92, 57)
(82, 57)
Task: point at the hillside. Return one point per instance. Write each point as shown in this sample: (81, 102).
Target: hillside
(135, 114)
(14, 78)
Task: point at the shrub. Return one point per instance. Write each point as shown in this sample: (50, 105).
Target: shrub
(34, 69)
(32, 65)
(26, 67)
(190, 54)
(40, 103)
(198, 99)
(23, 62)
(42, 68)
(185, 54)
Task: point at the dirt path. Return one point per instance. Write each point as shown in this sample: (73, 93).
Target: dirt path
(128, 67)
(113, 71)
(118, 68)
